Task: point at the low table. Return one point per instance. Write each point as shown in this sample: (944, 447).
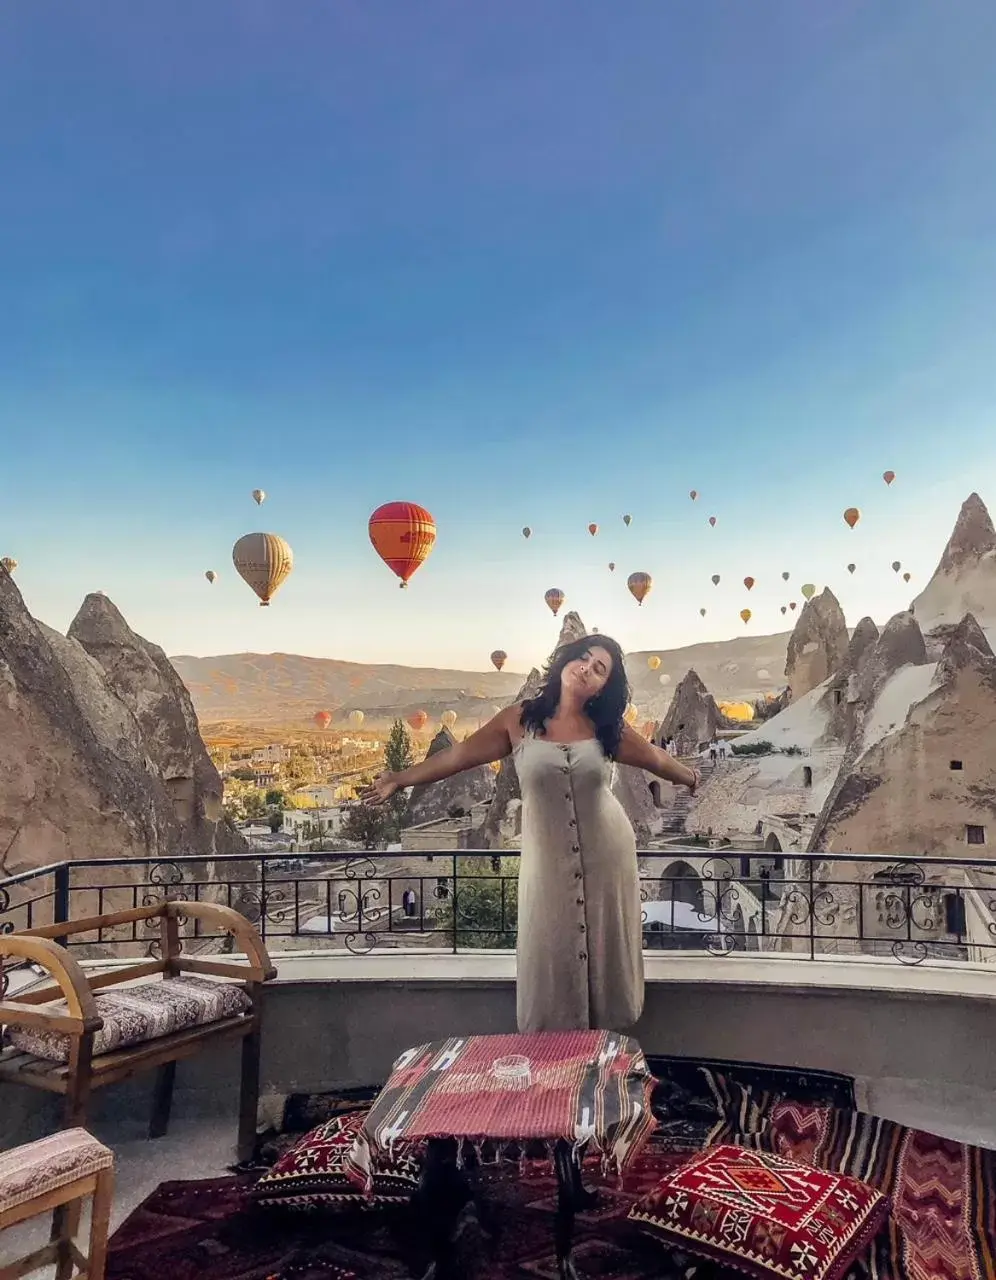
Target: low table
(569, 1090)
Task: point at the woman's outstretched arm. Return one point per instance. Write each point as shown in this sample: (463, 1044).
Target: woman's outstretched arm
(635, 750)
(493, 741)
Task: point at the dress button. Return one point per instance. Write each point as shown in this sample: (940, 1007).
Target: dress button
(573, 822)
(575, 848)
(582, 955)
(581, 928)
(567, 795)
(580, 902)
(577, 875)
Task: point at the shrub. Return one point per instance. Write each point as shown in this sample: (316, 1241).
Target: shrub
(753, 749)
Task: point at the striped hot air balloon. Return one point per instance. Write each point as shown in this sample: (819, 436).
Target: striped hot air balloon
(264, 561)
(554, 599)
(640, 586)
(403, 534)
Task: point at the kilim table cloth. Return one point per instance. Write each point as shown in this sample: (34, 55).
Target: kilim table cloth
(586, 1088)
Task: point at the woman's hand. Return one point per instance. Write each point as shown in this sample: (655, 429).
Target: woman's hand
(380, 790)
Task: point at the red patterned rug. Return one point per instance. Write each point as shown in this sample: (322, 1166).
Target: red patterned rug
(943, 1225)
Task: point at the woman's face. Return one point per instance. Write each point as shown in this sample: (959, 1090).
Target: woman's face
(586, 676)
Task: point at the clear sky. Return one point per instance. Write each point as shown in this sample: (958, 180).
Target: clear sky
(523, 263)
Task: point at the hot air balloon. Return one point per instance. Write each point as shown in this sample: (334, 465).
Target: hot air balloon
(653, 662)
(851, 517)
(746, 615)
(784, 608)
(264, 561)
(323, 719)
(593, 529)
(888, 476)
(356, 718)
(712, 521)
(693, 494)
(907, 576)
(702, 613)
(526, 531)
(8, 563)
(403, 534)
(448, 718)
(259, 497)
(418, 720)
(715, 579)
(664, 679)
(630, 714)
(896, 566)
(612, 566)
(851, 568)
(640, 585)
(554, 599)
(211, 575)
(748, 583)
(808, 590)
(627, 521)
(499, 658)
(792, 606)
(785, 576)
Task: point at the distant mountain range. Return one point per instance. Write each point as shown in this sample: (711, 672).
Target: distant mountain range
(281, 688)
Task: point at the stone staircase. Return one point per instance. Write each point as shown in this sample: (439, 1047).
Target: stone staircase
(675, 812)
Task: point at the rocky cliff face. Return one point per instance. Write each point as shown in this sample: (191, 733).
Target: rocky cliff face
(431, 801)
(78, 776)
(692, 718)
(964, 580)
(818, 645)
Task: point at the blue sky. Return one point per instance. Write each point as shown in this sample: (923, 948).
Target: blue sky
(532, 263)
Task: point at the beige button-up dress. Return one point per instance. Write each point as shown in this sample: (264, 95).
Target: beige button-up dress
(580, 932)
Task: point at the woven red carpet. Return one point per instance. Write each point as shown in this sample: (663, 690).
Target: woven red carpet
(943, 1225)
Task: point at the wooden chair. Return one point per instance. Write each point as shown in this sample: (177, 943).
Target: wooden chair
(57, 1174)
(77, 1033)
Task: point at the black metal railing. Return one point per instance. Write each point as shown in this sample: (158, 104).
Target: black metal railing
(806, 906)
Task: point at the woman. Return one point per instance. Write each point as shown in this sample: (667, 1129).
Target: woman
(580, 932)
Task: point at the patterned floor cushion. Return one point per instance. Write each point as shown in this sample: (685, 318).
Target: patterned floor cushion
(312, 1174)
(136, 1014)
(762, 1214)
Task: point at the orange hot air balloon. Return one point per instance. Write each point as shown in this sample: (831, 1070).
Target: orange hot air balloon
(693, 494)
(323, 719)
(418, 720)
(748, 583)
(526, 531)
(851, 517)
(403, 534)
(612, 566)
(746, 615)
(715, 579)
(499, 658)
(712, 521)
(593, 529)
(554, 599)
(264, 561)
(888, 476)
(640, 586)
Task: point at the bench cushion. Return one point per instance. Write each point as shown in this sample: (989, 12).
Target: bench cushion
(133, 1015)
(32, 1171)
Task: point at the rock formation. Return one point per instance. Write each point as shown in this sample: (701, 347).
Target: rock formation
(78, 777)
(818, 645)
(964, 580)
(430, 801)
(842, 697)
(693, 717)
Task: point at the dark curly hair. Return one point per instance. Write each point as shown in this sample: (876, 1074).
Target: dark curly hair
(605, 709)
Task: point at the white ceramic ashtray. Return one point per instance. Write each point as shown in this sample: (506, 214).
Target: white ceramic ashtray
(513, 1072)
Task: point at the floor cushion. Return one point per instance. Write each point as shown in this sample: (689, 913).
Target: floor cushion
(133, 1015)
(312, 1174)
(763, 1214)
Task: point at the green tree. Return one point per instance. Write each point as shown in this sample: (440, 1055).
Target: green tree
(243, 775)
(398, 755)
(368, 826)
(253, 805)
(486, 903)
(275, 799)
(276, 820)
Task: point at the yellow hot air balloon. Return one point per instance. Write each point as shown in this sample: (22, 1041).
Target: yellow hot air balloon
(746, 615)
(9, 564)
(356, 718)
(448, 718)
(653, 662)
(640, 586)
(630, 714)
(554, 599)
(851, 516)
(259, 497)
(737, 710)
(808, 590)
(264, 561)
(211, 575)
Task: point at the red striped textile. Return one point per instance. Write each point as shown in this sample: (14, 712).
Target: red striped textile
(585, 1087)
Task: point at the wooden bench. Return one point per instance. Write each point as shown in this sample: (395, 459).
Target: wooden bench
(77, 1033)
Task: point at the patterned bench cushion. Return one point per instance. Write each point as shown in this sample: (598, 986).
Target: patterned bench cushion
(136, 1014)
(32, 1171)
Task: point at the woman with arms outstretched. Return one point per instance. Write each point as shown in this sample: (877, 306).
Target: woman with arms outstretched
(580, 931)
